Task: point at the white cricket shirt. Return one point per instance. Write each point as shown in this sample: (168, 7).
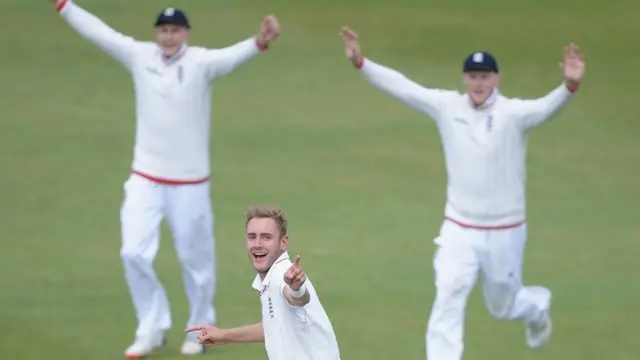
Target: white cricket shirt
(293, 332)
(484, 148)
(173, 97)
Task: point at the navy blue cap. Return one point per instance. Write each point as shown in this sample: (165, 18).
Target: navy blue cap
(480, 61)
(173, 16)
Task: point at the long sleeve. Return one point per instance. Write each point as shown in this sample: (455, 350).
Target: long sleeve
(537, 111)
(428, 101)
(119, 46)
(221, 62)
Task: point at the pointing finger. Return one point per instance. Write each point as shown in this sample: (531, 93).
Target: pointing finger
(348, 33)
(296, 262)
(291, 273)
(195, 328)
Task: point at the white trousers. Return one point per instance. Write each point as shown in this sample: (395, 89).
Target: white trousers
(461, 255)
(188, 211)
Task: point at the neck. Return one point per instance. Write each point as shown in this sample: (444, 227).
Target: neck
(170, 53)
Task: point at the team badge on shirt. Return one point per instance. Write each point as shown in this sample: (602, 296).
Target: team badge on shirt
(271, 313)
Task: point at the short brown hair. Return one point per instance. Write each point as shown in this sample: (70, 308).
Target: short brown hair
(268, 211)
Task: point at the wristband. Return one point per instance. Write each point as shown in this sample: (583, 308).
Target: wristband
(261, 46)
(572, 89)
(298, 293)
(60, 4)
(359, 62)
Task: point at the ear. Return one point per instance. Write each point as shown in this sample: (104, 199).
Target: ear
(284, 242)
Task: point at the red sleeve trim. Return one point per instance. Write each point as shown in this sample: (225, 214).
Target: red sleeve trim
(359, 62)
(570, 88)
(261, 46)
(60, 4)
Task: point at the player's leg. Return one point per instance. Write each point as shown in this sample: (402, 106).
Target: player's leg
(191, 220)
(456, 267)
(505, 296)
(141, 215)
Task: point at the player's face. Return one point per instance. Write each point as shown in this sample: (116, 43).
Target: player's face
(171, 37)
(264, 243)
(480, 85)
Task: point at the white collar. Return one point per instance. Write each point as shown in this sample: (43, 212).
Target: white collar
(260, 284)
(173, 58)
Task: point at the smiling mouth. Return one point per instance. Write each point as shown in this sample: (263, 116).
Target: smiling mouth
(259, 256)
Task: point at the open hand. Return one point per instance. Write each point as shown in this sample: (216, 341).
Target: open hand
(269, 30)
(295, 276)
(573, 66)
(208, 335)
(351, 44)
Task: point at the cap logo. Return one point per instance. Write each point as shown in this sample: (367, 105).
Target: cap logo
(169, 12)
(478, 57)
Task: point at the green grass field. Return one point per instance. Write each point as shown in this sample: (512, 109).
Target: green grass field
(360, 175)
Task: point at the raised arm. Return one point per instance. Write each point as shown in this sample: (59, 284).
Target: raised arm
(119, 46)
(221, 62)
(538, 111)
(394, 83)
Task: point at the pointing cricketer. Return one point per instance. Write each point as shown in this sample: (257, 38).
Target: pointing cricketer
(294, 324)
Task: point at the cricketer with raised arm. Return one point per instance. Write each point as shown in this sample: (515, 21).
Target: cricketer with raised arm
(170, 171)
(294, 324)
(484, 137)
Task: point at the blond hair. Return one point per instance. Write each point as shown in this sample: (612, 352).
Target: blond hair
(268, 211)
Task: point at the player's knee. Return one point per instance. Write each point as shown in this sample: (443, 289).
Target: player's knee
(500, 306)
(453, 289)
(196, 257)
(187, 257)
(451, 298)
(131, 255)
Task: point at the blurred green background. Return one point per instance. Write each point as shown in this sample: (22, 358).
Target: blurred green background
(360, 175)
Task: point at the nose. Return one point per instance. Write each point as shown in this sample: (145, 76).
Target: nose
(257, 244)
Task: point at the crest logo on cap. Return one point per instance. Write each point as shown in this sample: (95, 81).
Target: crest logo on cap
(169, 12)
(478, 57)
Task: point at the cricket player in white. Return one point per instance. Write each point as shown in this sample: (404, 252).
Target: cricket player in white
(170, 170)
(294, 324)
(484, 135)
